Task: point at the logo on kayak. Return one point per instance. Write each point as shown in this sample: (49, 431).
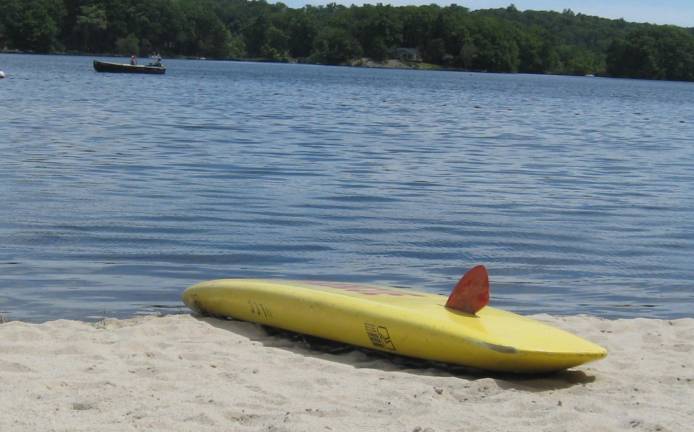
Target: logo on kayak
(259, 310)
(379, 336)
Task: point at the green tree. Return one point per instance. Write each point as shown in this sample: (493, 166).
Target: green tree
(236, 47)
(468, 54)
(128, 45)
(417, 24)
(434, 51)
(377, 28)
(91, 24)
(33, 25)
(276, 44)
(302, 30)
(255, 35)
(335, 46)
(537, 53)
(498, 49)
(654, 52)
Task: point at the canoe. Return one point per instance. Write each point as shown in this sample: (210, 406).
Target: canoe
(100, 66)
(460, 329)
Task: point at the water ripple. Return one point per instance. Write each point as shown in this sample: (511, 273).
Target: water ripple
(120, 191)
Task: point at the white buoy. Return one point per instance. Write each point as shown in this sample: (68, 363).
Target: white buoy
(2, 74)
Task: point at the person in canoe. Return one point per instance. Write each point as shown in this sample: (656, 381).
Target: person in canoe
(133, 60)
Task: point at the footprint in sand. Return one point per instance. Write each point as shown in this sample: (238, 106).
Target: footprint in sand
(14, 367)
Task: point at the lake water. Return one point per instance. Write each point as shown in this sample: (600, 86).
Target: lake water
(118, 191)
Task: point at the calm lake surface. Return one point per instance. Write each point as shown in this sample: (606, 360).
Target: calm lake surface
(119, 191)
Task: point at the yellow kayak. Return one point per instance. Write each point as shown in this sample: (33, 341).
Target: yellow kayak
(459, 329)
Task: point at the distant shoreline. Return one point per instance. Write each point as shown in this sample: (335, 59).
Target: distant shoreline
(357, 63)
(430, 37)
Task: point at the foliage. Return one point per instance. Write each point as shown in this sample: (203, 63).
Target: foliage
(499, 40)
(32, 24)
(335, 46)
(660, 53)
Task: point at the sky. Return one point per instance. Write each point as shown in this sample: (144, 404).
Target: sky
(677, 12)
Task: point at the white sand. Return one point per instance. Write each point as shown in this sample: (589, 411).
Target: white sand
(180, 373)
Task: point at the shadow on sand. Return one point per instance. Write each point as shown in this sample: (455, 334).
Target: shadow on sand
(358, 357)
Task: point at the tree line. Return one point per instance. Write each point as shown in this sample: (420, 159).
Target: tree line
(494, 40)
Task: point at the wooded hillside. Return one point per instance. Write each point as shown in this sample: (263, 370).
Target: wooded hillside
(498, 40)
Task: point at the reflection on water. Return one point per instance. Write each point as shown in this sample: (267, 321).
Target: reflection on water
(119, 191)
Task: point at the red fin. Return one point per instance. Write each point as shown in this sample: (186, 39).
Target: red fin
(472, 291)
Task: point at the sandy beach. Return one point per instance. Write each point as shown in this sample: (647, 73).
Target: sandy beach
(186, 373)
